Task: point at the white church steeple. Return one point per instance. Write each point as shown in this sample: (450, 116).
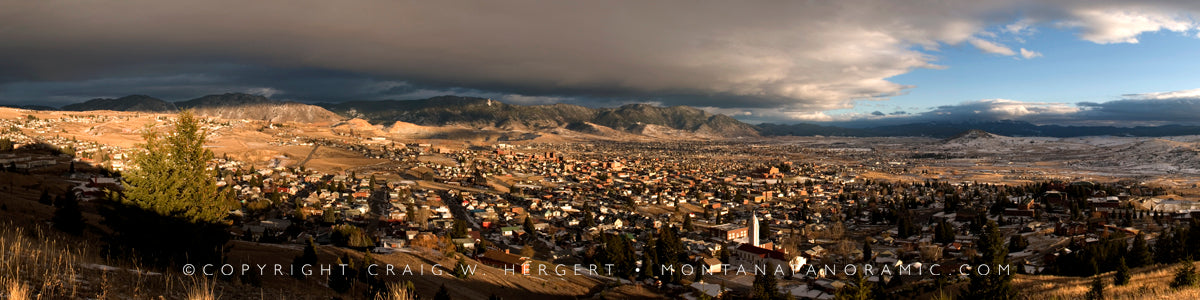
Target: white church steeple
(754, 229)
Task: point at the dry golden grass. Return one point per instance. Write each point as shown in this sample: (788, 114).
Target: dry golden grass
(202, 289)
(15, 289)
(1146, 283)
(43, 264)
(39, 258)
(396, 291)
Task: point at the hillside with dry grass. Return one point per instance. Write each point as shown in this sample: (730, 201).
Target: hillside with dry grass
(39, 263)
(42, 263)
(1153, 282)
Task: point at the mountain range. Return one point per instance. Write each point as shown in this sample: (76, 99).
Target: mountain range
(632, 118)
(480, 112)
(229, 106)
(128, 103)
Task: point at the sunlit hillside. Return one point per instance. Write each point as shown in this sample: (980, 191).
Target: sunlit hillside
(1151, 282)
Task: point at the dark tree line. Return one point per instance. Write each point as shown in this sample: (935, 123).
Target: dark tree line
(1113, 254)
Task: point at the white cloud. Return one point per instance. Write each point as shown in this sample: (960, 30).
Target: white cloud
(768, 57)
(530, 100)
(990, 47)
(1144, 109)
(1022, 26)
(1183, 94)
(1123, 25)
(995, 48)
(1027, 54)
(763, 115)
(1010, 109)
(263, 91)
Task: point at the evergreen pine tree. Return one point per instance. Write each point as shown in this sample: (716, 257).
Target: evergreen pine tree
(375, 287)
(617, 251)
(859, 289)
(170, 210)
(340, 280)
(1122, 276)
(308, 258)
(991, 252)
(1163, 248)
(529, 229)
(588, 219)
(298, 268)
(68, 218)
(1091, 267)
(866, 252)
(943, 232)
(896, 281)
(765, 287)
(648, 263)
(1168, 248)
(460, 229)
(1191, 240)
(1140, 254)
(905, 227)
(1097, 290)
(45, 198)
(442, 293)
(172, 176)
(1017, 243)
(461, 270)
(1186, 276)
(361, 269)
(671, 253)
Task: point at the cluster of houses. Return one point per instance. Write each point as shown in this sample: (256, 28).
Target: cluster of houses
(573, 195)
(736, 209)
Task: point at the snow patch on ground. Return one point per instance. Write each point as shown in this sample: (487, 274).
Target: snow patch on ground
(107, 268)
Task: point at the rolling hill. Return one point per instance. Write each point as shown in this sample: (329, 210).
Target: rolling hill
(140, 103)
(487, 113)
(643, 119)
(254, 107)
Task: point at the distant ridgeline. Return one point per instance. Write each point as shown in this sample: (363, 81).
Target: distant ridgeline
(635, 118)
(481, 112)
(949, 130)
(230, 106)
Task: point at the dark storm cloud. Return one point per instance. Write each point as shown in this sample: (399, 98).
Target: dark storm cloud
(190, 81)
(1000, 109)
(718, 54)
(1148, 109)
(784, 60)
(1165, 110)
(1166, 107)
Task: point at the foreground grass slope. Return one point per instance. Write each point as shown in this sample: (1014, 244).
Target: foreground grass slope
(1152, 282)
